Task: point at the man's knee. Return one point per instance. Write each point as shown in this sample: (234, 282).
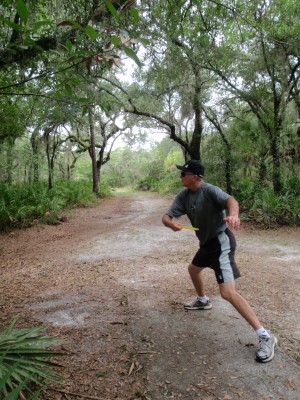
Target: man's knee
(194, 270)
(190, 268)
(227, 291)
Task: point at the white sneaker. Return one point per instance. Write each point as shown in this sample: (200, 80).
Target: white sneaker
(266, 349)
(198, 305)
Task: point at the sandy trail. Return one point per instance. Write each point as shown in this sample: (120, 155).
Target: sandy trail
(111, 282)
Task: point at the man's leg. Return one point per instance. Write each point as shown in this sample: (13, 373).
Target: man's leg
(267, 341)
(202, 302)
(197, 277)
(228, 292)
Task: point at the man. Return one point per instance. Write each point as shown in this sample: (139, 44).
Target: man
(205, 206)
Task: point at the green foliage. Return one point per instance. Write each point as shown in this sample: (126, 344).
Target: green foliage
(170, 183)
(22, 204)
(128, 166)
(25, 362)
(292, 186)
(12, 121)
(104, 189)
(71, 194)
(189, 65)
(112, 178)
(270, 209)
(148, 183)
(144, 169)
(244, 191)
(261, 205)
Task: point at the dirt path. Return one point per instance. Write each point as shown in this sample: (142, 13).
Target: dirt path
(111, 282)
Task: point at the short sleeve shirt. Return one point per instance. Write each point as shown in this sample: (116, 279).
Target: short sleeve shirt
(205, 209)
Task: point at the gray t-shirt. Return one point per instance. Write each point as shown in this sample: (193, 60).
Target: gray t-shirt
(205, 209)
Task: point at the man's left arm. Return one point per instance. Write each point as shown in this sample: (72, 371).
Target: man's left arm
(233, 218)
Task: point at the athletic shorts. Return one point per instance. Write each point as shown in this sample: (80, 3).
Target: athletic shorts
(218, 254)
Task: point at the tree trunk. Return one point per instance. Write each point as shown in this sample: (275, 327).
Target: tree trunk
(100, 160)
(47, 139)
(195, 144)
(9, 160)
(228, 175)
(262, 171)
(275, 144)
(92, 152)
(35, 155)
(51, 153)
(276, 163)
(212, 117)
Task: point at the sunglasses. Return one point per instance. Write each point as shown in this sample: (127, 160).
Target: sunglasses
(183, 174)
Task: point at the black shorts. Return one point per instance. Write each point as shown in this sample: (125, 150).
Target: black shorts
(218, 254)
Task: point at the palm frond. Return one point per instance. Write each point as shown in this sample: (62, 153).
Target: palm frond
(25, 361)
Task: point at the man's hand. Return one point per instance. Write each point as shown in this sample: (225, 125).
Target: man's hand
(233, 222)
(175, 227)
(233, 219)
(168, 222)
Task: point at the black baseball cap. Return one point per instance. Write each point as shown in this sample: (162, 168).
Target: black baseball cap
(193, 166)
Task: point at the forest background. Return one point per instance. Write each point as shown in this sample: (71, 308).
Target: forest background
(215, 80)
(218, 81)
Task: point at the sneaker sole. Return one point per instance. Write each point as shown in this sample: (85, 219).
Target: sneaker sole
(271, 356)
(197, 308)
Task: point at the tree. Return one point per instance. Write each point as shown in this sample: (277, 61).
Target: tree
(220, 126)
(45, 48)
(244, 50)
(175, 76)
(32, 29)
(266, 69)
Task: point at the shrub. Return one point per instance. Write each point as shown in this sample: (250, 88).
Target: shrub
(148, 183)
(21, 204)
(71, 194)
(244, 191)
(261, 205)
(25, 366)
(169, 184)
(104, 190)
(292, 185)
(270, 209)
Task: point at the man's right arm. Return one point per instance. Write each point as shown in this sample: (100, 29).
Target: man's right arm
(169, 223)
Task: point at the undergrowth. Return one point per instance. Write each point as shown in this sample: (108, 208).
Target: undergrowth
(261, 205)
(258, 203)
(23, 204)
(25, 363)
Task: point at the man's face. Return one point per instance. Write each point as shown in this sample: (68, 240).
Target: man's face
(187, 178)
